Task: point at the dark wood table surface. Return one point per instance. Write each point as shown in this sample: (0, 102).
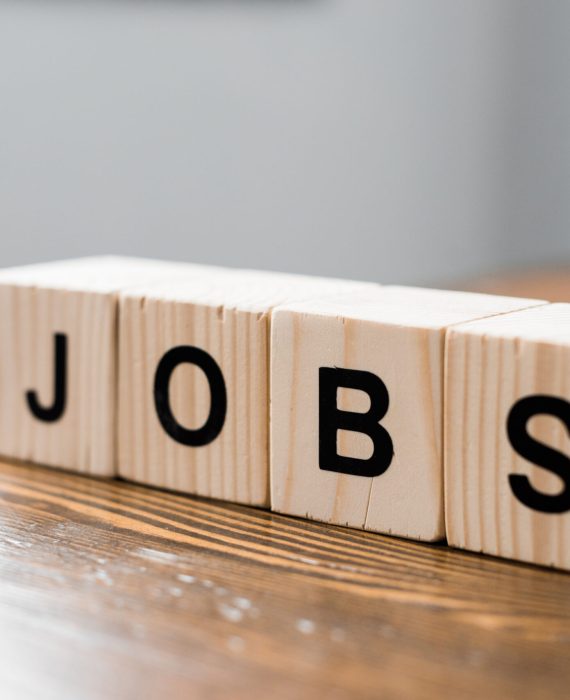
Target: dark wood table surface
(111, 590)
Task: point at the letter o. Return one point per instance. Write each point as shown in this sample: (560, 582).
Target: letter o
(218, 397)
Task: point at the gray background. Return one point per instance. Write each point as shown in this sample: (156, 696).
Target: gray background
(397, 141)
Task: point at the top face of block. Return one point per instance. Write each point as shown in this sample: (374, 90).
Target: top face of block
(98, 274)
(247, 290)
(412, 306)
(548, 323)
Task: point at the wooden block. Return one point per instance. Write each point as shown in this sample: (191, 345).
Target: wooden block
(194, 366)
(58, 341)
(356, 407)
(507, 423)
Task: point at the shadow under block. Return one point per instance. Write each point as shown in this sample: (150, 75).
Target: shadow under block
(507, 423)
(58, 344)
(194, 370)
(392, 345)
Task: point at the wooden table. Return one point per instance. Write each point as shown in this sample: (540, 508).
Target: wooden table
(113, 590)
(110, 590)
(552, 284)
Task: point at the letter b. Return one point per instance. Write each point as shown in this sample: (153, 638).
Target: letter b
(332, 419)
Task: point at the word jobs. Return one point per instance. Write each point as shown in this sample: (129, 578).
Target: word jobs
(332, 419)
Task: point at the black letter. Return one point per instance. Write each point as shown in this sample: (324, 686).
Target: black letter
(215, 422)
(331, 420)
(536, 452)
(55, 411)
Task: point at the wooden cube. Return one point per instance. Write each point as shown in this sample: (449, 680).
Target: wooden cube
(357, 404)
(58, 345)
(194, 370)
(507, 426)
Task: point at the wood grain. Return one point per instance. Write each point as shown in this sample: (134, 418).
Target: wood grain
(491, 364)
(110, 590)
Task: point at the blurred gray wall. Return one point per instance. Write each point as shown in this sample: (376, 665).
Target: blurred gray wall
(415, 141)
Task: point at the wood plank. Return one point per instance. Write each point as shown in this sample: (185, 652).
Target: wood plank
(396, 334)
(496, 369)
(113, 590)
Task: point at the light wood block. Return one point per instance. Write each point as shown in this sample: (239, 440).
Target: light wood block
(225, 318)
(62, 318)
(507, 426)
(396, 334)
